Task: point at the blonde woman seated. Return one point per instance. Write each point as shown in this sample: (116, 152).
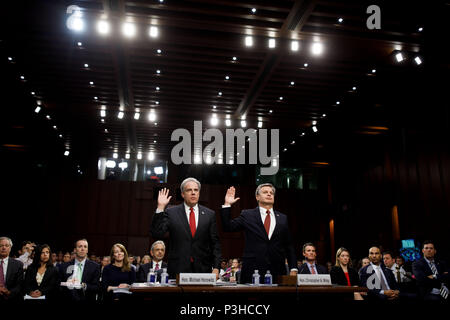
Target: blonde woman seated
(120, 274)
(343, 274)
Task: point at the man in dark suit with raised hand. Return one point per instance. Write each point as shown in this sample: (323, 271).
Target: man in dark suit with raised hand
(81, 272)
(11, 273)
(267, 238)
(431, 274)
(194, 244)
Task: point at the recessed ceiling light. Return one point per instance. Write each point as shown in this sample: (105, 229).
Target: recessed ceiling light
(66, 153)
(420, 29)
(95, 98)
(227, 78)
(272, 43)
(102, 113)
(79, 43)
(294, 45)
(37, 109)
(305, 65)
(152, 116)
(120, 115)
(157, 88)
(317, 48)
(314, 122)
(292, 83)
(91, 83)
(103, 27)
(340, 20)
(159, 51)
(338, 102)
(22, 77)
(234, 58)
(354, 88)
(137, 115)
(74, 22)
(10, 58)
(219, 93)
(33, 93)
(280, 98)
(129, 29)
(253, 10)
(315, 129)
(156, 102)
(228, 122)
(158, 71)
(86, 65)
(270, 111)
(399, 57)
(214, 107)
(418, 60)
(153, 32)
(248, 41)
(374, 70)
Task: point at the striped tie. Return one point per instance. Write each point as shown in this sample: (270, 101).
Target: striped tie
(433, 268)
(444, 291)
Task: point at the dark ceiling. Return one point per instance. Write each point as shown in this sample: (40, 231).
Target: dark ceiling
(198, 40)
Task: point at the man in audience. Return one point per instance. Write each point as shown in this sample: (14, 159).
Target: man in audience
(311, 266)
(82, 274)
(11, 273)
(157, 252)
(194, 243)
(66, 257)
(389, 263)
(431, 274)
(268, 240)
(378, 279)
(27, 255)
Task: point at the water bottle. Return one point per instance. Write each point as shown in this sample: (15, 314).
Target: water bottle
(255, 279)
(164, 277)
(151, 277)
(268, 278)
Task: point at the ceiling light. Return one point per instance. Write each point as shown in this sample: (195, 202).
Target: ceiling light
(149, 172)
(260, 124)
(338, 102)
(234, 58)
(340, 20)
(123, 165)
(120, 115)
(305, 65)
(115, 155)
(420, 29)
(79, 43)
(102, 120)
(137, 115)
(314, 128)
(152, 116)
(129, 29)
(103, 27)
(270, 111)
(280, 98)
(74, 22)
(316, 48)
(151, 156)
(22, 77)
(214, 107)
(10, 58)
(314, 122)
(156, 102)
(86, 65)
(54, 127)
(248, 41)
(324, 115)
(153, 32)
(157, 88)
(158, 71)
(285, 149)
(110, 164)
(48, 117)
(418, 60)
(294, 45)
(302, 134)
(292, 83)
(102, 113)
(95, 98)
(220, 93)
(159, 170)
(253, 10)
(139, 156)
(228, 122)
(214, 120)
(353, 88)
(243, 123)
(127, 156)
(159, 51)
(60, 136)
(272, 43)
(399, 57)
(227, 78)
(374, 70)
(91, 83)
(66, 153)
(37, 109)
(106, 130)
(293, 142)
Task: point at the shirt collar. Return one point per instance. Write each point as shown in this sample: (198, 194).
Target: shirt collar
(429, 261)
(187, 208)
(83, 262)
(264, 211)
(5, 260)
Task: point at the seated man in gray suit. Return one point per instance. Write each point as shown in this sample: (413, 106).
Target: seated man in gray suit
(157, 252)
(11, 273)
(194, 243)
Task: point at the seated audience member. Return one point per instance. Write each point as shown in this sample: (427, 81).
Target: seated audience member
(235, 275)
(311, 266)
(405, 273)
(54, 259)
(157, 251)
(431, 274)
(41, 277)
(362, 263)
(389, 262)
(378, 279)
(343, 274)
(120, 274)
(11, 273)
(146, 259)
(66, 257)
(329, 265)
(27, 254)
(82, 273)
(223, 267)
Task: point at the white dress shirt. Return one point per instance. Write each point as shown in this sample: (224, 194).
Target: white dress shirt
(380, 274)
(5, 266)
(273, 221)
(75, 269)
(159, 264)
(187, 209)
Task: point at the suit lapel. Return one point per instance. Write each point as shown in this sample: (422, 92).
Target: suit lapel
(277, 225)
(201, 220)
(259, 223)
(183, 219)
(9, 271)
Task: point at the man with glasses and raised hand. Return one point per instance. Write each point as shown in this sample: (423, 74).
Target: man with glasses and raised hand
(194, 245)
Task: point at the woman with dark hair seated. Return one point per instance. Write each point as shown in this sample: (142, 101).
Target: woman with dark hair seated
(41, 277)
(120, 274)
(343, 274)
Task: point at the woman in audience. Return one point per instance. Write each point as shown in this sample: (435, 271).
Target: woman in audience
(362, 263)
(146, 259)
(342, 273)
(120, 274)
(41, 277)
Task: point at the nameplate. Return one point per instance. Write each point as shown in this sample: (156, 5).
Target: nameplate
(208, 279)
(313, 280)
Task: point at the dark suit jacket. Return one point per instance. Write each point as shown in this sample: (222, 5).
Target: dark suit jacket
(91, 276)
(422, 270)
(144, 269)
(319, 268)
(13, 280)
(260, 253)
(50, 283)
(338, 276)
(366, 274)
(203, 248)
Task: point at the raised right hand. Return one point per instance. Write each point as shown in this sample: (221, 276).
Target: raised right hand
(163, 199)
(229, 196)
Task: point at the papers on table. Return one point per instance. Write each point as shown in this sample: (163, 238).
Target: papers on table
(27, 297)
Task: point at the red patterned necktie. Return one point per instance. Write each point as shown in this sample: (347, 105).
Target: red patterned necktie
(157, 267)
(192, 221)
(313, 270)
(267, 222)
